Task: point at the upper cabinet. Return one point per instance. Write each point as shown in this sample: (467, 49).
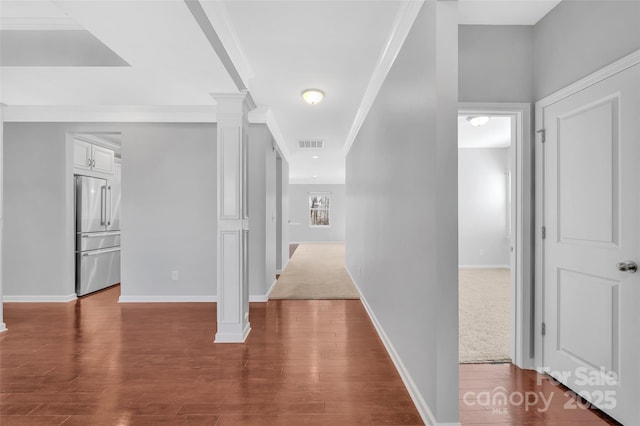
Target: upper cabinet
(90, 157)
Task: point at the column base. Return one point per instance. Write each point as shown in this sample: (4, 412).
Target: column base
(231, 336)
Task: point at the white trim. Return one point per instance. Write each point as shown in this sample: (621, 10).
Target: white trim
(167, 299)
(593, 78)
(111, 114)
(596, 77)
(233, 337)
(277, 135)
(316, 242)
(484, 266)
(261, 298)
(280, 271)
(522, 317)
(39, 298)
(401, 27)
(39, 23)
(263, 115)
(3, 327)
(416, 396)
(224, 29)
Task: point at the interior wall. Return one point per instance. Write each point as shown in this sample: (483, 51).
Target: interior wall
(300, 230)
(282, 214)
(482, 207)
(579, 37)
(2, 324)
(35, 210)
(166, 222)
(262, 211)
(401, 236)
(496, 63)
(169, 207)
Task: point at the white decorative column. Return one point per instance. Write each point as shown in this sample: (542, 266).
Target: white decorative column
(233, 218)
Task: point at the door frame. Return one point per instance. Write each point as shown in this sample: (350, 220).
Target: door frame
(522, 299)
(593, 78)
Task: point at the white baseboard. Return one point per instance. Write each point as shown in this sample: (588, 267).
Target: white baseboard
(317, 242)
(416, 396)
(484, 266)
(3, 327)
(39, 298)
(261, 298)
(166, 299)
(280, 271)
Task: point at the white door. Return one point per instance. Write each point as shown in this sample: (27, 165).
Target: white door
(592, 220)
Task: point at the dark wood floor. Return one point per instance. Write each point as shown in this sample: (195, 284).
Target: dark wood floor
(316, 362)
(534, 399)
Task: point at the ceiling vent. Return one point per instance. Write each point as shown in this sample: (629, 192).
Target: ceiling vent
(311, 143)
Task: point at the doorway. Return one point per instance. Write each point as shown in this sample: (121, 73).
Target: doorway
(500, 252)
(485, 211)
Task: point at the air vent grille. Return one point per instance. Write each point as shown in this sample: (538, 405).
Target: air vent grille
(311, 143)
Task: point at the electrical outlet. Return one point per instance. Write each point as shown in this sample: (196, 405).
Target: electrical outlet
(481, 252)
(174, 275)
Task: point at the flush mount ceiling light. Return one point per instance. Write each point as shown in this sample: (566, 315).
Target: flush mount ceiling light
(478, 120)
(315, 157)
(312, 96)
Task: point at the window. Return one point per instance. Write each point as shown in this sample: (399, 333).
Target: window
(319, 205)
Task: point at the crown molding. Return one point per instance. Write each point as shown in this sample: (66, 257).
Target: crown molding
(401, 27)
(258, 115)
(39, 24)
(111, 114)
(272, 124)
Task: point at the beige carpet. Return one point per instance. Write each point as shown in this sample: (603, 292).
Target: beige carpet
(485, 315)
(315, 271)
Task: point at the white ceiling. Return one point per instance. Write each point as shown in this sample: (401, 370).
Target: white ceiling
(503, 12)
(495, 134)
(279, 48)
(296, 45)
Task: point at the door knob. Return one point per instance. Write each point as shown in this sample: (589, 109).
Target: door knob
(628, 266)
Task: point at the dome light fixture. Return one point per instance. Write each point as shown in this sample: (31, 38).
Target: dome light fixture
(312, 96)
(478, 120)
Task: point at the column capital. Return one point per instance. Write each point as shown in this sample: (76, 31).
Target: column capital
(234, 102)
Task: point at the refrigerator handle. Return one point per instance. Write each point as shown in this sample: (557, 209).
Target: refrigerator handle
(103, 205)
(109, 211)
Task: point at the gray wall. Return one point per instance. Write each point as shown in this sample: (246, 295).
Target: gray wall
(299, 229)
(166, 221)
(282, 212)
(2, 325)
(36, 257)
(496, 63)
(482, 207)
(401, 185)
(579, 37)
(169, 210)
(262, 210)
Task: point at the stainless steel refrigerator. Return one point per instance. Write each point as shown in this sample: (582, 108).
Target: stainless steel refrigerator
(97, 234)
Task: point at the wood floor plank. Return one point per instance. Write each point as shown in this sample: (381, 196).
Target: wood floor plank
(306, 362)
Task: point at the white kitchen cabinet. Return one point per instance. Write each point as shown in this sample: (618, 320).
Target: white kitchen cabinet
(103, 159)
(82, 156)
(87, 156)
